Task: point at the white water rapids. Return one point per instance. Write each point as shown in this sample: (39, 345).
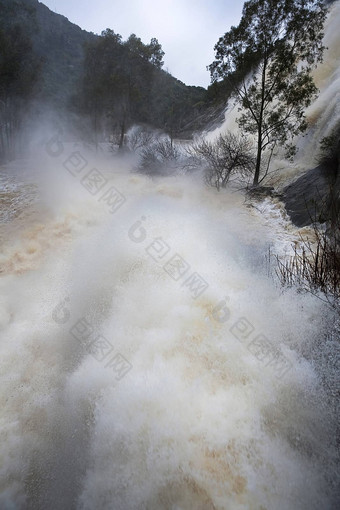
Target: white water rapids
(199, 420)
(147, 359)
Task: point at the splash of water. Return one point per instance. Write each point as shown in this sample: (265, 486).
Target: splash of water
(126, 383)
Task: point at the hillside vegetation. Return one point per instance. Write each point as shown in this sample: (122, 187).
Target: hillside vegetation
(47, 60)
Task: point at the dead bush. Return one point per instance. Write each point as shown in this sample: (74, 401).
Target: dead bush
(227, 155)
(315, 265)
(160, 158)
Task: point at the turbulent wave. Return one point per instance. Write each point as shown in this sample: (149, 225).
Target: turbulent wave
(191, 412)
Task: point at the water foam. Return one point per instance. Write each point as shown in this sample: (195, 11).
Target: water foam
(198, 421)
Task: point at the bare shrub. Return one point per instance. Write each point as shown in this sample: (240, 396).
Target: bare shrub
(133, 141)
(228, 154)
(315, 267)
(115, 141)
(160, 158)
(138, 138)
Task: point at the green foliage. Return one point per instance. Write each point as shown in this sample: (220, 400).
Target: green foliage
(275, 47)
(123, 84)
(115, 81)
(56, 43)
(152, 52)
(112, 82)
(18, 67)
(19, 71)
(330, 148)
(156, 53)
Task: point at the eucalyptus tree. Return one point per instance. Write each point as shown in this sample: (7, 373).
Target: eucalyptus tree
(268, 60)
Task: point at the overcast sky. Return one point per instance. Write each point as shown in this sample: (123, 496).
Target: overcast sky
(186, 29)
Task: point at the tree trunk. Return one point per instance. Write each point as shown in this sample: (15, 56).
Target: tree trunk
(122, 135)
(260, 125)
(258, 159)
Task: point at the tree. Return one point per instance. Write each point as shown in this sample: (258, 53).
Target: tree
(124, 83)
(226, 155)
(152, 52)
(156, 53)
(117, 82)
(106, 87)
(136, 46)
(19, 73)
(278, 43)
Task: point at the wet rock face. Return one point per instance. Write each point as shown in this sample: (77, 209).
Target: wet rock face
(261, 192)
(305, 198)
(315, 196)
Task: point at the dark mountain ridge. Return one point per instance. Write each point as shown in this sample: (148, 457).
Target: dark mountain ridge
(60, 45)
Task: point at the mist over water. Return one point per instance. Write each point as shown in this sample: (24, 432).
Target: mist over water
(148, 361)
(197, 420)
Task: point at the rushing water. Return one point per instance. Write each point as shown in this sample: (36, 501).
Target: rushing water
(148, 361)
(191, 412)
